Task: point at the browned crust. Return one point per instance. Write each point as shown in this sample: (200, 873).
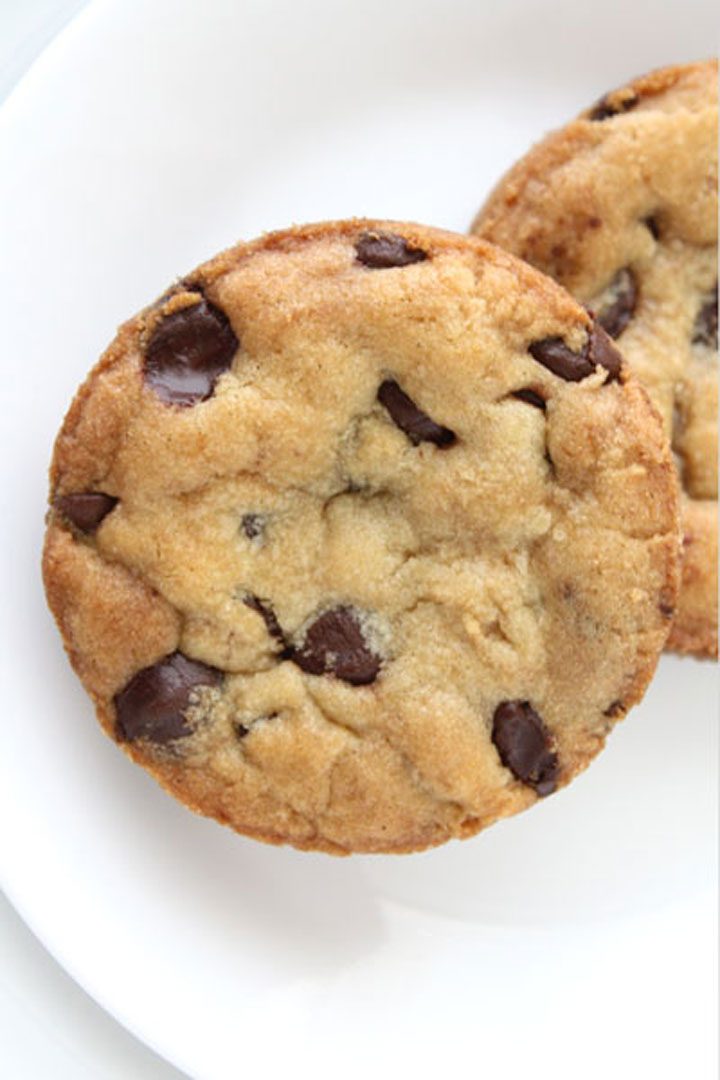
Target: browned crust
(112, 624)
(559, 146)
(659, 81)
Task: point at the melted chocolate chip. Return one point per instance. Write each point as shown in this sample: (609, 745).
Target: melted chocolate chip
(253, 525)
(382, 251)
(416, 424)
(705, 331)
(335, 645)
(556, 356)
(606, 108)
(615, 709)
(187, 352)
(530, 396)
(153, 704)
(620, 309)
(525, 745)
(85, 510)
(269, 617)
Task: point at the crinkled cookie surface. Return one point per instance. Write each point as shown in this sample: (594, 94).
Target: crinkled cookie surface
(620, 207)
(361, 538)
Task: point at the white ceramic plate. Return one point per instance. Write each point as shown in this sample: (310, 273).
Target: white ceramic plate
(575, 940)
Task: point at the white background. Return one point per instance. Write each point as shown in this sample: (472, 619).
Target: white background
(50, 1029)
(578, 940)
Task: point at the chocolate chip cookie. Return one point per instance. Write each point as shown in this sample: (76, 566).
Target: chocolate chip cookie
(621, 208)
(361, 537)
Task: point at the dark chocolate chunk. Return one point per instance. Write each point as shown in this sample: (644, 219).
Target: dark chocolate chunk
(530, 396)
(269, 617)
(85, 509)
(620, 308)
(187, 352)
(525, 745)
(335, 645)
(253, 525)
(602, 352)
(605, 108)
(653, 226)
(382, 251)
(153, 704)
(556, 356)
(705, 331)
(615, 709)
(416, 424)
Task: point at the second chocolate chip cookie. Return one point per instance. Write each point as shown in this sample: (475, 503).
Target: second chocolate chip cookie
(621, 208)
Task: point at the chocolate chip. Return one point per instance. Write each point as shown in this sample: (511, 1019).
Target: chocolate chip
(269, 617)
(615, 709)
(86, 509)
(187, 352)
(525, 745)
(620, 308)
(606, 107)
(416, 424)
(335, 645)
(153, 704)
(530, 396)
(705, 331)
(653, 226)
(253, 525)
(601, 352)
(556, 356)
(381, 251)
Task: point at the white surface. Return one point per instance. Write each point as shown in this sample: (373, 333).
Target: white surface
(50, 1029)
(149, 136)
(26, 27)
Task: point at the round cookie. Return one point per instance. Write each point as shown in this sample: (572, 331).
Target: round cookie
(361, 538)
(621, 208)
